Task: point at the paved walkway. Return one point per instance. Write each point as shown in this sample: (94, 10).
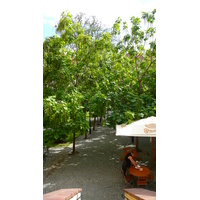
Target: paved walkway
(95, 169)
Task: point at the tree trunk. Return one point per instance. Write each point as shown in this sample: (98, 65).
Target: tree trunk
(101, 120)
(90, 123)
(140, 87)
(85, 132)
(94, 122)
(74, 142)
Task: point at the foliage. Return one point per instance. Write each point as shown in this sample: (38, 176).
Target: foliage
(56, 116)
(78, 122)
(132, 78)
(89, 69)
(129, 116)
(97, 104)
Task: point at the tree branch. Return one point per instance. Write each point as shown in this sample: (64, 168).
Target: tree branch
(136, 68)
(146, 69)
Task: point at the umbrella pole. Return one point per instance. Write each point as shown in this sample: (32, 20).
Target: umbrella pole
(151, 153)
(136, 144)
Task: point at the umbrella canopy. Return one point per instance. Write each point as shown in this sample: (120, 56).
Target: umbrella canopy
(141, 128)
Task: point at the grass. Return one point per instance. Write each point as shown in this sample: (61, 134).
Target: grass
(70, 140)
(63, 144)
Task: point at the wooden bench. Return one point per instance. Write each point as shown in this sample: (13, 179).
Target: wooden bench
(64, 194)
(139, 194)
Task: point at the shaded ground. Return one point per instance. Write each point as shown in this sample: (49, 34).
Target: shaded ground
(95, 169)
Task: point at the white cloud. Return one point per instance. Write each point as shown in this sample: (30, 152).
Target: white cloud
(106, 10)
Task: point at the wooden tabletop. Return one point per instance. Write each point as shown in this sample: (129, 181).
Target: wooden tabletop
(136, 172)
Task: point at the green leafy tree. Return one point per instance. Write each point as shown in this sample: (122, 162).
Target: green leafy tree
(81, 69)
(56, 61)
(56, 116)
(132, 75)
(133, 45)
(78, 122)
(97, 105)
(92, 70)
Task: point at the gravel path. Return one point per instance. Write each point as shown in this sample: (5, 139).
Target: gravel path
(95, 169)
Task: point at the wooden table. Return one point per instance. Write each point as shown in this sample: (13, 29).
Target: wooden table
(139, 194)
(141, 175)
(136, 172)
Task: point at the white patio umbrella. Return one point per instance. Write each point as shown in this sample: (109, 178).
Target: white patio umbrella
(141, 128)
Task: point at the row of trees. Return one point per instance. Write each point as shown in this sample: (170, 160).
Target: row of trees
(89, 69)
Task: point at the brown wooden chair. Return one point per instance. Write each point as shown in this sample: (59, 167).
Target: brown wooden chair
(141, 181)
(151, 181)
(125, 153)
(126, 149)
(136, 154)
(128, 179)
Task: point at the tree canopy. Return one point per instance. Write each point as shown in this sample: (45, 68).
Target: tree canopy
(86, 69)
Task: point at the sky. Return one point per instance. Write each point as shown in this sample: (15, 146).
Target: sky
(106, 11)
